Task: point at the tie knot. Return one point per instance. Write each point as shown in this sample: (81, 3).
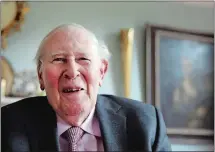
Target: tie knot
(73, 134)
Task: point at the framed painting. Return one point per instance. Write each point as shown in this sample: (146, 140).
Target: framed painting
(180, 79)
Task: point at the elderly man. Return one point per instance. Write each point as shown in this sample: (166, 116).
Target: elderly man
(71, 65)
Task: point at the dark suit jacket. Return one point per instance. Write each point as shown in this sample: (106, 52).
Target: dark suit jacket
(30, 125)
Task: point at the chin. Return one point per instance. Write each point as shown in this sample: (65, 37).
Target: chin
(77, 110)
(75, 98)
(76, 119)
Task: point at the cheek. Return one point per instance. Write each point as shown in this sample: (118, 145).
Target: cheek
(92, 78)
(52, 77)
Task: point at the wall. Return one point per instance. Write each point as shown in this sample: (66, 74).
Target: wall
(105, 19)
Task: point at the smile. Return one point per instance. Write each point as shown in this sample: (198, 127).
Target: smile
(72, 90)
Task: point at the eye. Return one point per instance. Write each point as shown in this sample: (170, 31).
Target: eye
(60, 60)
(83, 59)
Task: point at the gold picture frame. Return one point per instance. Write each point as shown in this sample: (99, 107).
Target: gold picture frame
(7, 74)
(12, 17)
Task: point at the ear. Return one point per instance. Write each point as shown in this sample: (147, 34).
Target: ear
(39, 73)
(103, 70)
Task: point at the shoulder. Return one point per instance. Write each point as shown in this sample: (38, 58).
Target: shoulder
(139, 108)
(25, 105)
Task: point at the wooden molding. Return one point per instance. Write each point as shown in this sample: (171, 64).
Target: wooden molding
(127, 37)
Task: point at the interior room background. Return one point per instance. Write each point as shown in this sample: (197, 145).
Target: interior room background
(106, 19)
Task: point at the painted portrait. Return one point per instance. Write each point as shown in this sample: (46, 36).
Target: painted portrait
(180, 73)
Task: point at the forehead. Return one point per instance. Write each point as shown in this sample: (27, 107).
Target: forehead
(70, 41)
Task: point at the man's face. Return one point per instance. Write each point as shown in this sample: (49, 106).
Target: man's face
(71, 75)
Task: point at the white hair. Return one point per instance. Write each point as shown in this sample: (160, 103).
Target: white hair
(102, 49)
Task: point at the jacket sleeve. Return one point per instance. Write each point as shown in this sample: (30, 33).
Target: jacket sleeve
(161, 140)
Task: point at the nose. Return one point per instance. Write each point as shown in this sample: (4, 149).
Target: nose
(72, 70)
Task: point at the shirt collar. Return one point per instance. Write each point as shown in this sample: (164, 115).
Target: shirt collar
(90, 125)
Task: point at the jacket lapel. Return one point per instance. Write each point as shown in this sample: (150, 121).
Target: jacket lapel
(112, 125)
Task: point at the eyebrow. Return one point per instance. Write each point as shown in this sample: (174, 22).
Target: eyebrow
(64, 53)
(59, 53)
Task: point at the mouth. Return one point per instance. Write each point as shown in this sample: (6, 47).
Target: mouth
(72, 90)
